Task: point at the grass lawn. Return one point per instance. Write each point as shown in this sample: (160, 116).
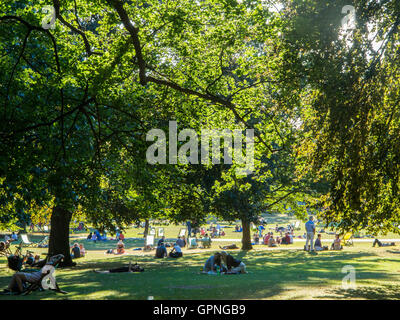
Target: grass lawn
(286, 272)
(280, 273)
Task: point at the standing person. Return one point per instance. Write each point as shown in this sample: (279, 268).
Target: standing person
(310, 229)
(189, 227)
(260, 230)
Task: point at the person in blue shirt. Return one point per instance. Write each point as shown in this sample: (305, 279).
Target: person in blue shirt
(260, 229)
(181, 242)
(189, 227)
(310, 232)
(161, 251)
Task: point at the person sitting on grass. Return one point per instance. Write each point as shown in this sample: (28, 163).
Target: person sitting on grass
(318, 244)
(120, 247)
(89, 237)
(181, 242)
(119, 250)
(233, 265)
(75, 251)
(256, 238)
(161, 251)
(176, 252)
(336, 245)
(266, 238)
(82, 249)
(214, 233)
(272, 241)
(193, 242)
(206, 241)
(130, 268)
(14, 237)
(380, 244)
(286, 239)
(212, 262)
(161, 241)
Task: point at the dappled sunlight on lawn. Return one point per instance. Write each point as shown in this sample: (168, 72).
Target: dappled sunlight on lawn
(277, 274)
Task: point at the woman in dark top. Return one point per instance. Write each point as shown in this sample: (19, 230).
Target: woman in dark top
(75, 251)
(233, 265)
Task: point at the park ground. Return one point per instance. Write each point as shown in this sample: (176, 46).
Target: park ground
(286, 272)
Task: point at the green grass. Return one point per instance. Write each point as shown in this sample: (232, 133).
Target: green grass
(273, 274)
(286, 272)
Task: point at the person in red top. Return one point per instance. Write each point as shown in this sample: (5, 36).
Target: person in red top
(121, 236)
(266, 238)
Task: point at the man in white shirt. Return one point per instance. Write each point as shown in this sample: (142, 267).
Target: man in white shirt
(176, 252)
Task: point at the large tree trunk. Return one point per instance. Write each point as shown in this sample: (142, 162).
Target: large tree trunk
(146, 228)
(59, 235)
(246, 236)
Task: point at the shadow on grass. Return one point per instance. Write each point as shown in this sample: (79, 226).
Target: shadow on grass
(271, 273)
(387, 292)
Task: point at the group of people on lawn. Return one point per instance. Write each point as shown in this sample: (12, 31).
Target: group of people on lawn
(317, 246)
(223, 262)
(271, 241)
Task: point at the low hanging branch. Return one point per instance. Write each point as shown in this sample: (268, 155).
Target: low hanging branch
(144, 79)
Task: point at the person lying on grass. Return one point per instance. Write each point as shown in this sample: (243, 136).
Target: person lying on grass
(231, 246)
(233, 265)
(380, 244)
(129, 268)
(176, 252)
